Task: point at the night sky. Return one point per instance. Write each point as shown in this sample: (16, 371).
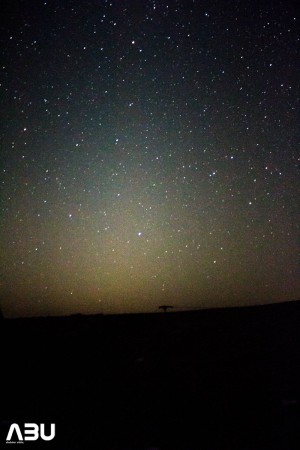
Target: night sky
(149, 155)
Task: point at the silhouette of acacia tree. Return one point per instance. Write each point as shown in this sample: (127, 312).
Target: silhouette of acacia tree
(165, 307)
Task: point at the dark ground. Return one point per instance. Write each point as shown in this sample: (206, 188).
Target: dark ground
(209, 380)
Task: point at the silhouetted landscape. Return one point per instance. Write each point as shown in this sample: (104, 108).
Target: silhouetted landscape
(210, 379)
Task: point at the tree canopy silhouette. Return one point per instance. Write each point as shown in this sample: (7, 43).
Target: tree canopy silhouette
(165, 307)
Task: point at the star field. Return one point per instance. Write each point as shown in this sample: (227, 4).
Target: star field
(150, 155)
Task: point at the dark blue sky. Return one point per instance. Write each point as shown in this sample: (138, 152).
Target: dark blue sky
(150, 154)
